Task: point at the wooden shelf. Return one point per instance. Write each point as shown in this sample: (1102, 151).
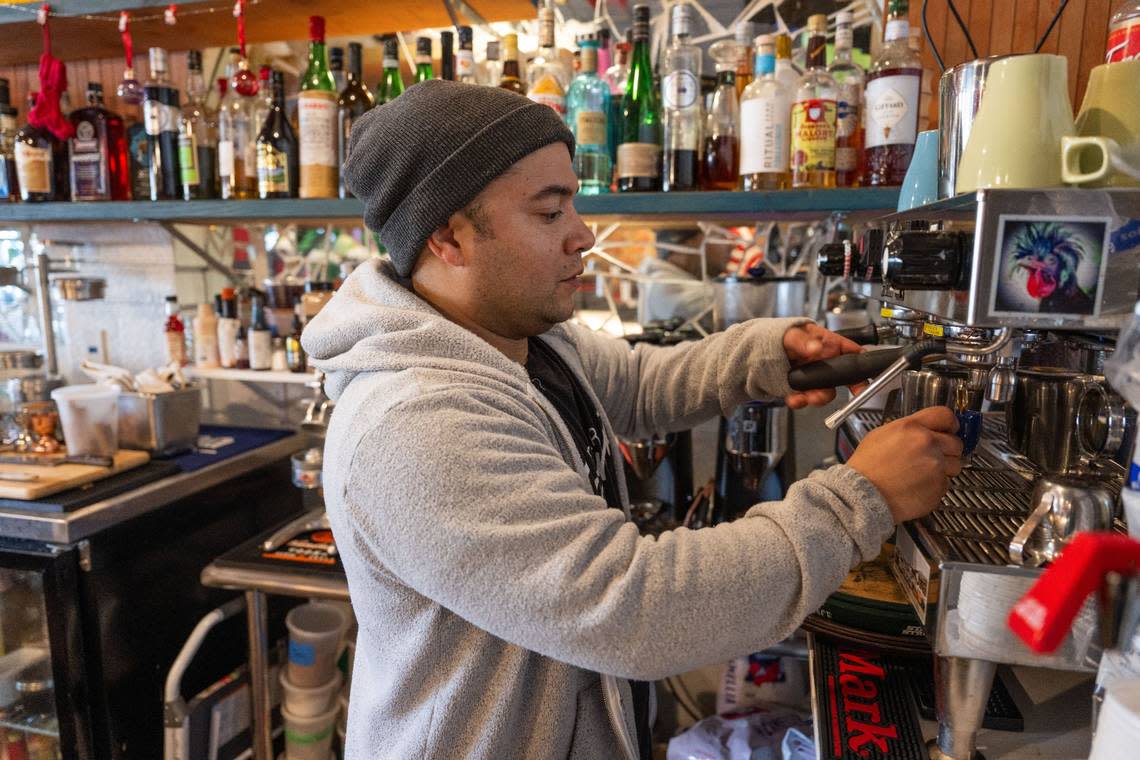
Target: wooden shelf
(251, 376)
(740, 207)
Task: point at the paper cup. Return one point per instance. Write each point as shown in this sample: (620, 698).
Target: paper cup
(89, 415)
(307, 702)
(315, 633)
(1131, 501)
(308, 737)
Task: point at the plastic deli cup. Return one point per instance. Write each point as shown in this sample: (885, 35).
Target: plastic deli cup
(308, 737)
(89, 415)
(307, 702)
(315, 633)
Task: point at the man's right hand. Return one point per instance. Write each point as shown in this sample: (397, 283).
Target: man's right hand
(911, 460)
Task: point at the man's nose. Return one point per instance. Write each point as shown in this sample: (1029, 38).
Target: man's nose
(582, 238)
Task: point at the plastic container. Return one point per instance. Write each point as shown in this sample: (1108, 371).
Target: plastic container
(307, 702)
(1131, 502)
(89, 415)
(309, 737)
(315, 634)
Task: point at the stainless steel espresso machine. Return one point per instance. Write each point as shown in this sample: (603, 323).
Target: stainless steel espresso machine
(1004, 302)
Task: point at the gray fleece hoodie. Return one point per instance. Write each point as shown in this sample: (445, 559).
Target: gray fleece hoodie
(493, 589)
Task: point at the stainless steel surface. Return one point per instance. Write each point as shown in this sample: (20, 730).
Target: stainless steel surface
(964, 687)
(975, 307)
(71, 527)
(1061, 507)
(959, 95)
(938, 385)
(1002, 381)
(1054, 415)
(644, 455)
(756, 439)
(80, 288)
(43, 298)
(161, 423)
(740, 299)
(257, 625)
(278, 582)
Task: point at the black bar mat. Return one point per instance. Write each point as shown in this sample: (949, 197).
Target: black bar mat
(864, 708)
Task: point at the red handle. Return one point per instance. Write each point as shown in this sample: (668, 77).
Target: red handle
(1043, 616)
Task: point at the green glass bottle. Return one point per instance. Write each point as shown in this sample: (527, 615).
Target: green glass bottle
(316, 119)
(423, 60)
(391, 84)
(639, 154)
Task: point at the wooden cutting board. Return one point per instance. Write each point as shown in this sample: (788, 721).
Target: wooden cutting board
(50, 480)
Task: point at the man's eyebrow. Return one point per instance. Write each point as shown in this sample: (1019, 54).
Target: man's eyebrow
(560, 191)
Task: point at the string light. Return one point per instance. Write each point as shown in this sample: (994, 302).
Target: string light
(167, 13)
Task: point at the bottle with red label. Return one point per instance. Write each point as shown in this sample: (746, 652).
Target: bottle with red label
(814, 114)
(1124, 33)
(175, 330)
(890, 121)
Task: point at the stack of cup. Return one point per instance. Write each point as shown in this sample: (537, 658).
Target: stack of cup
(311, 681)
(1118, 727)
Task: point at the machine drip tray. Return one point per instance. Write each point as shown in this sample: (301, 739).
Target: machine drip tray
(1001, 711)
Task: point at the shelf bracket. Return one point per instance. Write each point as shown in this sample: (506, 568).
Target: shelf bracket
(201, 253)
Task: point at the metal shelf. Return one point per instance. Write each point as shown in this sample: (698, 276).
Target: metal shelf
(47, 728)
(727, 206)
(251, 376)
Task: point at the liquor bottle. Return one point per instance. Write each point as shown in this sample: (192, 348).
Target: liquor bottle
(639, 152)
(813, 114)
(849, 78)
(206, 338)
(681, 100)
(721, 155)
(465, 56)
(9, 186)
(241, 347)
(391, 84)
(1124, 33)
(587, 113)
(138, 147)
(263, 101)
(764, 129)
(605, 47)
(295, 357)
(893, 85)
(227, 329)
(234, 116)
(744, 65)
(278, 170)
(353, 102)
(197, 136)
(447, 56)
(41, 163)
(317, 120)
(336, 67)
(490, 70)
(99, 166)
(260, 337)
(511, 79)
(786, 69)
(161, 115)
(175, 330)
(546, 77)
(616, 77)
(423, 60)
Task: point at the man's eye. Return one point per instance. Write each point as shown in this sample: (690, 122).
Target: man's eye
(552, 216)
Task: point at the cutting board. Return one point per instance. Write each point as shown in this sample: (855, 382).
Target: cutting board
(62, 477)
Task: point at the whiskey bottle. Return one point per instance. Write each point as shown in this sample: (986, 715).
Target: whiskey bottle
(99, 167)
(9, 187)
(813, 115)
(41, 163)
(197, 136)
(161, 116)
(278, 160)
(893, 85)
(354, 101)
(317, 119)
(681, 100)
(849, 78)
(511, 79)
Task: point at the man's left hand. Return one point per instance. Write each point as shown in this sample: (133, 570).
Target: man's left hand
(809, 343)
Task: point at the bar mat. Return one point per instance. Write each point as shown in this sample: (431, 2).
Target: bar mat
(1001, 711)
(864, 708)
(236, 440)
(76, 498)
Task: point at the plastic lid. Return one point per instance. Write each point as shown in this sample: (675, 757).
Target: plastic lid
(172, 299)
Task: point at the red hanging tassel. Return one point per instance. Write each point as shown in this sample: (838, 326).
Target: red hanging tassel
(128, 43)
(53, 82)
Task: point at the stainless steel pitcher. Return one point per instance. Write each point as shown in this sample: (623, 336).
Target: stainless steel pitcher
(959, 95)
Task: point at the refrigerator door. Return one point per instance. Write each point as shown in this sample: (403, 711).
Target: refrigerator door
(43, 704)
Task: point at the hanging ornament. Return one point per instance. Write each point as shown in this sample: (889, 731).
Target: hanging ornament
(129, 90)
(243, 81)
(53, 83)
(168, 16)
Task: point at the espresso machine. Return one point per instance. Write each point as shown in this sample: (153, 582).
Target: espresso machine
(1003, 302)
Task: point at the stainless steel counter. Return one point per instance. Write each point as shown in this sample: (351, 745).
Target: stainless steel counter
(72, 527)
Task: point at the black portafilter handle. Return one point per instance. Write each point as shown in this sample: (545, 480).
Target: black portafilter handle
(867, 335)
(849, 369)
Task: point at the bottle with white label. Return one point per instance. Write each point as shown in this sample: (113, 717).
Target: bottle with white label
(260, 338)
(465, 56)
(316, 116)
(161, 116)
(237, 136)
(891, 112)
(813, 114)
(206, 338)
(850, 79)
(547, 77)
(681, 104)
(764, 113)
(228, 325)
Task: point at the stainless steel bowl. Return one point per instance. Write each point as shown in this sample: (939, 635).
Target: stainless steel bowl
(959, 95)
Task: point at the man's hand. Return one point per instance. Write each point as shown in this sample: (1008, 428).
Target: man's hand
(808, 343)
(911, 460)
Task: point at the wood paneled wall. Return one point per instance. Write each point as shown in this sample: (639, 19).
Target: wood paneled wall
(999, 27)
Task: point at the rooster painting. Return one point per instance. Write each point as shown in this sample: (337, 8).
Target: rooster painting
(1045, 258)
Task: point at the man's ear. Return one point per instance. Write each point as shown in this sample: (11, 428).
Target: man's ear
(443, 244)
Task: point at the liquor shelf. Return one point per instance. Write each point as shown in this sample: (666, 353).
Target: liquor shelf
(725, 206)
(251, 376)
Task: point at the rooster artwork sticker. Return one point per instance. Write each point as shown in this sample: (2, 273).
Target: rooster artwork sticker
(1049, 266)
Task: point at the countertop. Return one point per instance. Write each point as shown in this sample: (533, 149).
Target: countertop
(72, 527)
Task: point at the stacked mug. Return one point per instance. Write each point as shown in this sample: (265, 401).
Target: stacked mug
(311, 680)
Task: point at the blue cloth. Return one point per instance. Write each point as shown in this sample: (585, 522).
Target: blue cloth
(245, 439)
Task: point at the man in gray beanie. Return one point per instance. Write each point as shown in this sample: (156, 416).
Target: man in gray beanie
(507, 606)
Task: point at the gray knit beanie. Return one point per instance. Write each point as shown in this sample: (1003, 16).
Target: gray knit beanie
(418, 159)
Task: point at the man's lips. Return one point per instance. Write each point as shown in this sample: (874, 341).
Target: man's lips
(574, 276)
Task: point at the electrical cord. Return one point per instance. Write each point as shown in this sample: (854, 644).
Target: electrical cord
(676, 698)
(1053, 23)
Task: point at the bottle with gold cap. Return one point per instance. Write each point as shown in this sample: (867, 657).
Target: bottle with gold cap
(786, 69)
(814, 111)
(511, 79)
